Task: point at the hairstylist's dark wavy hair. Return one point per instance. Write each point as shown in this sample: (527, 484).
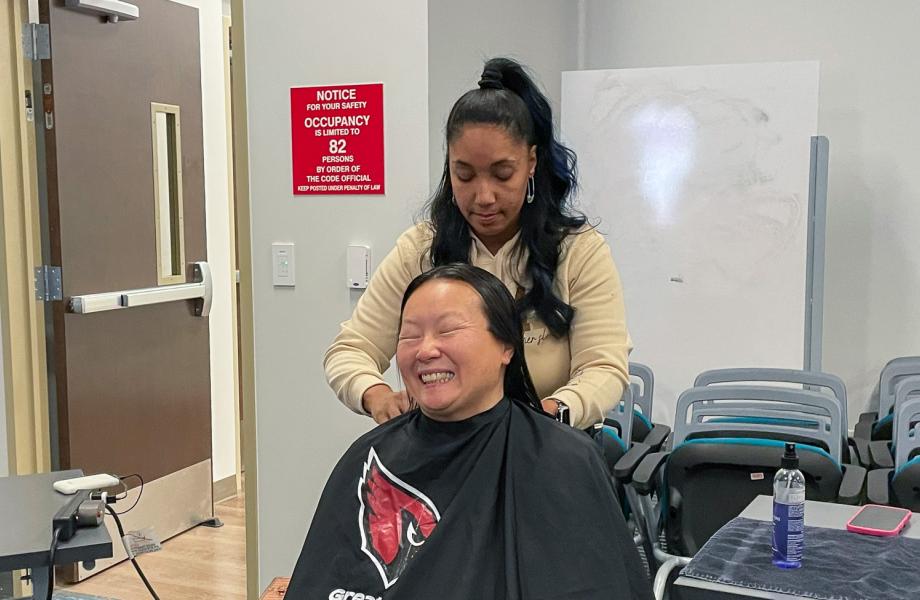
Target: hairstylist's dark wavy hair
(502, 317)
(508, 97)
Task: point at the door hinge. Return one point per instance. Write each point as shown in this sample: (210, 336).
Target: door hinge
(48, 283)
(36, 41)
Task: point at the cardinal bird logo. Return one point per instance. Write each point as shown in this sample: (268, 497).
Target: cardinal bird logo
(395, 519)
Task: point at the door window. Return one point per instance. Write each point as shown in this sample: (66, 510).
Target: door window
(167, 183)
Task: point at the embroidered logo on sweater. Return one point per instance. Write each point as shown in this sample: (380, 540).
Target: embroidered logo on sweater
(395, 519)
(535, 335)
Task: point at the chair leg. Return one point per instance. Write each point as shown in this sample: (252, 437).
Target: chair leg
(664, 571)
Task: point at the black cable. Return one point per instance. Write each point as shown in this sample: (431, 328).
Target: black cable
(124, 490)
(139, 493)
(137, 475)
(137, 567)
(51, 552)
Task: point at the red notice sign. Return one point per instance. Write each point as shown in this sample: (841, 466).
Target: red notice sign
(337, 139)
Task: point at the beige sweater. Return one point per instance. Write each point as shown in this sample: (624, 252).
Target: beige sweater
(587, 370)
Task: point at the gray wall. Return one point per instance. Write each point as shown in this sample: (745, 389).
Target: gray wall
(869, 56)
(868, 108)
(302, 429)
(462, 35)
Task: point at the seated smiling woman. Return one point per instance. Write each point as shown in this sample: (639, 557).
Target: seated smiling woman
(478, 494)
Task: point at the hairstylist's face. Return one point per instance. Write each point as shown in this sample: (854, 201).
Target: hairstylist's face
(452, 366)
(489, 169)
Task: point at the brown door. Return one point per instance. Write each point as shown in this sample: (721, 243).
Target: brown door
(123, 164)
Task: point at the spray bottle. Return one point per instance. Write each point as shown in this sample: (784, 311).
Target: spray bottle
(789, 512)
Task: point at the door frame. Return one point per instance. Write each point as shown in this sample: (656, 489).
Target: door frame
(23, 317)
(234, 266)
(22, 332)
(244, 241)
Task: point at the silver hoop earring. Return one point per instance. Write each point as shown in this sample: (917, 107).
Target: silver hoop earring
(531, 189)
(453, 199)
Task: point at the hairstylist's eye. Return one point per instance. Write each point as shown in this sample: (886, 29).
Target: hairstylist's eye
(504, 173)
(463, 172)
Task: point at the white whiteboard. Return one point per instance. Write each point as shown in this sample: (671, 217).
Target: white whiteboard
(699, 176)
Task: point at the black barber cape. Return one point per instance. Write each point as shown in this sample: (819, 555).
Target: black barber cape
(508, 504)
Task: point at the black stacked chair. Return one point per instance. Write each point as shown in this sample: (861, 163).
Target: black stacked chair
(626, 436)
(881, 451)
(728, 441)
(811, 380)
(644, 436)
(642, 389)
(615, 433)
(899, 485)
(874, 426)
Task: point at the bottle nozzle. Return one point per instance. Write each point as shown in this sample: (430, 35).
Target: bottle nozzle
(790, 458)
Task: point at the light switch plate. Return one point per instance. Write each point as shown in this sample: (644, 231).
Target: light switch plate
(283, 264)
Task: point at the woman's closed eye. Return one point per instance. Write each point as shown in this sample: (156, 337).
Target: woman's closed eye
(408, 336)
(503, 173)
(451, 326)
(440, 333)
(463, 174)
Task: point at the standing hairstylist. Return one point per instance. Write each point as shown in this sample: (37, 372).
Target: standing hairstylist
(502, 205)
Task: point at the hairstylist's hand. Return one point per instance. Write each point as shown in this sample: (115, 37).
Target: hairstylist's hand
(383, 404)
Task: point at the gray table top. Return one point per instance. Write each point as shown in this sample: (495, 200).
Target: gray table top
(817, 514)
(822, 514)
(27, 503)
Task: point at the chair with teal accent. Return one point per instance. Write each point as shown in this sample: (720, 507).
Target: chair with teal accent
(642, 384)
(717, 467)
(623, 456)
(645, 437)
(615, 433)
(878, 425)
(642, 389)
(900, 485)
(810, 380)
(613, 436)
(882, 451)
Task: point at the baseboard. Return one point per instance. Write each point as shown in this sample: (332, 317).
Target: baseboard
(225, 488)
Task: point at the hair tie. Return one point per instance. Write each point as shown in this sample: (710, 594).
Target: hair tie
(491, 79)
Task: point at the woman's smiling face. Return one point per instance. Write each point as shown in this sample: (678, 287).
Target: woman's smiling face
(450, 362)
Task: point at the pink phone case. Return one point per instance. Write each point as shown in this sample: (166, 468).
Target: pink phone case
(878, 532)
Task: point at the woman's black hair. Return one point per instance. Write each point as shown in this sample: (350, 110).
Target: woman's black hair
(509, 98)
(502, 317)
